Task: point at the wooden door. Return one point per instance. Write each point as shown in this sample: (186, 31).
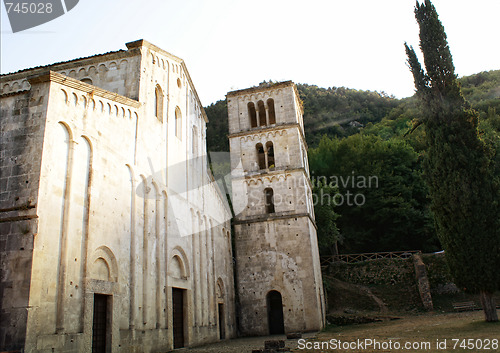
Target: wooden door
(100, 324)
(178, 316)
(222, 324)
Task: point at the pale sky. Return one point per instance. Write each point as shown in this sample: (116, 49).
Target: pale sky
(234, 44)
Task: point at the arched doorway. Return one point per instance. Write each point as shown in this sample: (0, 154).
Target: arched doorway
(178, 281)
(275, 313)
(100, 291)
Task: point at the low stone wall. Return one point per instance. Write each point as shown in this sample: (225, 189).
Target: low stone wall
(393, 281)
(375, 272)
(396, 279)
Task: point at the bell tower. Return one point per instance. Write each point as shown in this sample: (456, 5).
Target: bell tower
(277, 261)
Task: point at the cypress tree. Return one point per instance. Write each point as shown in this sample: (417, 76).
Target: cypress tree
(458, 167)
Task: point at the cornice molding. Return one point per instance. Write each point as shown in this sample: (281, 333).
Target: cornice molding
(256, 131)
(52, 76)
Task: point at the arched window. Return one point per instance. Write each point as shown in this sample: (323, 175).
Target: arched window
(252, 114)
(272, 113)
(268, 193)
(262, 113)
(178, 122)
(270, 155)
(159, 103)
(261, 156)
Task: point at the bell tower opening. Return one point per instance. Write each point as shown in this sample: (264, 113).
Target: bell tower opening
(270, 155)
(261, 156)
(272, 113)
(252, 113)
(262, 113)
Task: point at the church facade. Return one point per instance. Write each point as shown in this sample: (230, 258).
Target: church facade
(114, 236)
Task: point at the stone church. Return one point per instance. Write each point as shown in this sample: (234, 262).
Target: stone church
(114, 236)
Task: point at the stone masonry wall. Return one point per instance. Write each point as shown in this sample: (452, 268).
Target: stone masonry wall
(21, 135)
(278, 255)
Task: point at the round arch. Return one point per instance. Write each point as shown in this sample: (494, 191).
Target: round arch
(179, 255)
(103, 256)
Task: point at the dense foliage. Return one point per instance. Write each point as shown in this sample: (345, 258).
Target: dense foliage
(382, 199)
(217, 128)
(335, 111)
(326, 217)
(459, 167)
(339, 111)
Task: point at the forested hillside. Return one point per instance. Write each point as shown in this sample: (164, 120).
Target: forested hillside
(362, 134)
(329, 111)
(326, 111)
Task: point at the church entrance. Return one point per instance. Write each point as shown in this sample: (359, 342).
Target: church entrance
(275, 313)
(100, 326)
(222, 324)
(178, 316)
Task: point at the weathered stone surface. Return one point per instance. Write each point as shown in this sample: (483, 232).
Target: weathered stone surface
(424, 287)
(275, 236)
(21, 133)
(101, 194)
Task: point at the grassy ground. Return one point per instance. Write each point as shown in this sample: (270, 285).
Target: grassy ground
(431, 328)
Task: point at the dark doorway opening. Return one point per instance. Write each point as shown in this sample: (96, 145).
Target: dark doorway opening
(222, 324)
(270, 155)
(272, 113)
(100, 324)
(262, 113)
(269, 202)
(261, 156)
(275, 313)
(253, 114)
(178, 316)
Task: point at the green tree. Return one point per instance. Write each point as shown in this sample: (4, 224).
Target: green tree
(382, 198)
(459, 167)
(217, 127)
(326, 217)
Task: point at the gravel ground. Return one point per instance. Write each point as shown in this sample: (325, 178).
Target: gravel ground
(243, 345)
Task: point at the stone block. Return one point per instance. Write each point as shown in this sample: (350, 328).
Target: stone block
(274, 344)
(50, 342)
